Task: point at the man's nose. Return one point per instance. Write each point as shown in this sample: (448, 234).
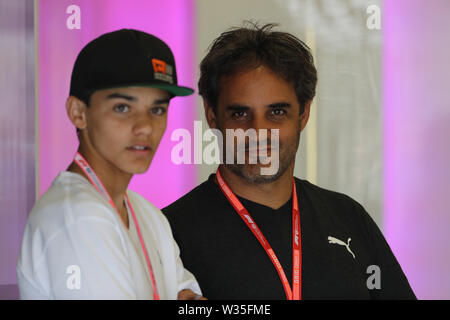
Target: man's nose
(260, 121)
(262, 125)
(143, 125)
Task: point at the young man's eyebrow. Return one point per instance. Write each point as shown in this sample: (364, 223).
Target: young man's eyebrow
(117, 95)
(162, 101)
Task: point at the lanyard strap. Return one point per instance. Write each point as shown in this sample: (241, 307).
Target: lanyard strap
(84, 165)
(295, 293)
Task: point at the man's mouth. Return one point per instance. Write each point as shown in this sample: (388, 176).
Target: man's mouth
(139, 148)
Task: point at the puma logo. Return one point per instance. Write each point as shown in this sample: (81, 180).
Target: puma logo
(341, 243)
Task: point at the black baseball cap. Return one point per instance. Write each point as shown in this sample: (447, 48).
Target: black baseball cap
(125, 58)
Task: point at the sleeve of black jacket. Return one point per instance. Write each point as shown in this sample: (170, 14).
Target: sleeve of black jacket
(393, 282)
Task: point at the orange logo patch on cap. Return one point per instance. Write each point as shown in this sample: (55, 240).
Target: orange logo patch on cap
(159, 66)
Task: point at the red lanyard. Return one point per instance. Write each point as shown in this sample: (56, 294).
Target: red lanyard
(296, 292)
(83, 164)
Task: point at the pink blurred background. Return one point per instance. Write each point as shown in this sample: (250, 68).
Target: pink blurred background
(416, 106)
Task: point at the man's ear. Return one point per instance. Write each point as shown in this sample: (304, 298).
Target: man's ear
(305, 115)
(76, 110)
(209, 114)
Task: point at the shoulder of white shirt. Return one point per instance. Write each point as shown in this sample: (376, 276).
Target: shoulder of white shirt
(72, 198)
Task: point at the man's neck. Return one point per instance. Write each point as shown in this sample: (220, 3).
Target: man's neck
(114, 181)
(272, 194)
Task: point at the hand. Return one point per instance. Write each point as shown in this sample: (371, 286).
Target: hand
(188, 294)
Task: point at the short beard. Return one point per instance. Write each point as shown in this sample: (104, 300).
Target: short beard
(286, 159)
(239, 170)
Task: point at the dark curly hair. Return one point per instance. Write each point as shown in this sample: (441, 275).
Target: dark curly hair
(244, 48)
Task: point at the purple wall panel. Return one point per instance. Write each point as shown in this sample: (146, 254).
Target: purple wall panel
(416, 76)
(17, 137)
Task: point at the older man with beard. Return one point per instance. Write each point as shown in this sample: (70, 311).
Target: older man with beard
(246, 234)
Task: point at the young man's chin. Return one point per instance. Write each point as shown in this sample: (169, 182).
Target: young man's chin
(140, 169)
(136, 164)
(135, 168)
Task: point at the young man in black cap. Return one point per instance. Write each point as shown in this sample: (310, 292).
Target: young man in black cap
(250, 235)
(88, 237)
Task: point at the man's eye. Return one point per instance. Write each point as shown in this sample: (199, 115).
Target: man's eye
(239, 114)
(121, 108)
(159, 111)
(278, 112)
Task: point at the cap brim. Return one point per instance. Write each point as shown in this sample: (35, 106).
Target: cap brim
(173, 89)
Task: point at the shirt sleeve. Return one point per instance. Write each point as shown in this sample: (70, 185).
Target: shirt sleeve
(27, 287)
(393, 283)
(85, 259)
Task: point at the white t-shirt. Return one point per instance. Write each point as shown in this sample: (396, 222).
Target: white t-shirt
(75, 246)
